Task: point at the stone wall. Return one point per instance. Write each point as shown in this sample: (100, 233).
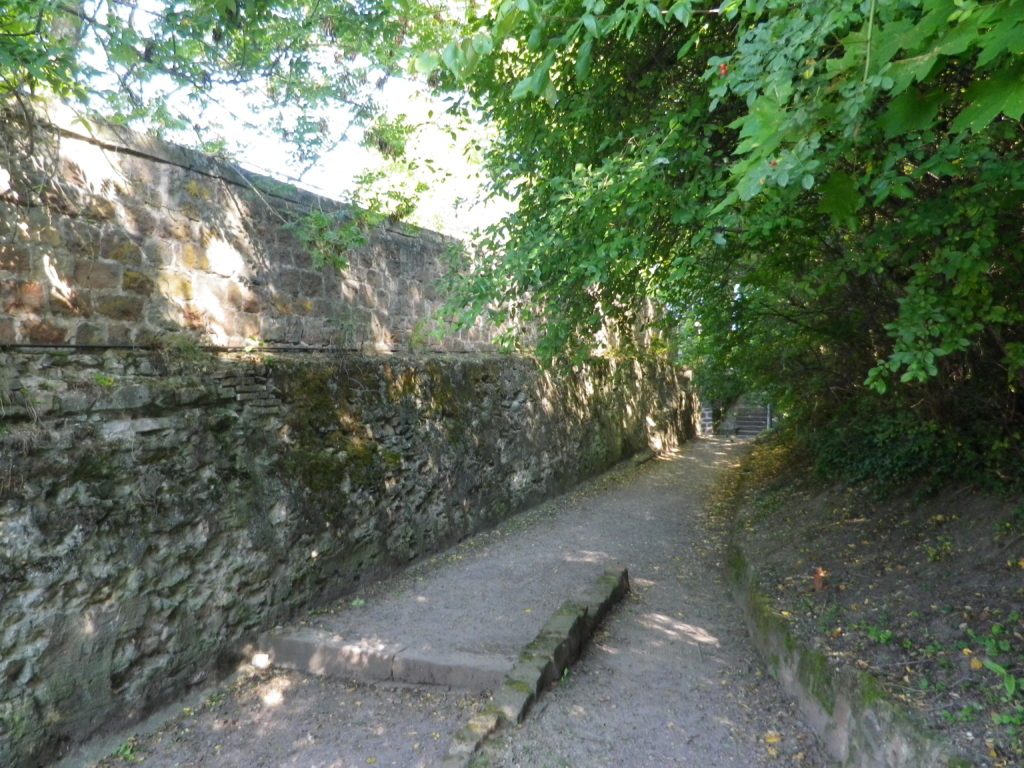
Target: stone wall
(108, 237)
(163, 499)
(158, 509)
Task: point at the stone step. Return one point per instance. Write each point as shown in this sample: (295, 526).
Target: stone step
(320, 652)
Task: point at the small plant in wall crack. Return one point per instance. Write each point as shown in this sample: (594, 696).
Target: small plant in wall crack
(103, 380)
(126, 752)
(330, 236)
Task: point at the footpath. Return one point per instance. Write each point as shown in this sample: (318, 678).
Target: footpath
(667, 679)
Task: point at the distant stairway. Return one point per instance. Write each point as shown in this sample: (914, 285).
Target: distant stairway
(748, 417)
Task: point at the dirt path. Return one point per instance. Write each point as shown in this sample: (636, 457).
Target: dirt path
(670, 680)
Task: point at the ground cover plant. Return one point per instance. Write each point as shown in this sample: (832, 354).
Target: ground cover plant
(924, 591)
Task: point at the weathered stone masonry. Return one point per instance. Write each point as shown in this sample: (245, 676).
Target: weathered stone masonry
(107, 237)
(158, 508)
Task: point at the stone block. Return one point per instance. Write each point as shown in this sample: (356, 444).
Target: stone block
(160, 252)
(127, 308)
(241, 326)
(136, 282)
(288, 282)
(138, 219)
(321, 653)
(114, 246)
(609, 589)
(512, 701)
(43, 332)
(91, 333)
(98, 274)
(242, 299)
(75, 401)
(20, 295)
(50, 236)
(175, 285)
(311, 283)
(119, 333)
(467, 671)
(8, 334)
(193, 256)
(533, 672)
(99, 208)
(78, 304)
(15, 257)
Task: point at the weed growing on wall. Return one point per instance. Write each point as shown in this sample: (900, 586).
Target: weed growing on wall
(330, 236)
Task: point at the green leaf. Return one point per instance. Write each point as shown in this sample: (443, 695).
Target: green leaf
(482, 43)
(682, 11)
(840, 198)
(992, 666)
(427, 62)
(452, 57)
(905, 72)
(583, 59)
(1003, 93)
(536, 39)
(591, 24)
(911, 111)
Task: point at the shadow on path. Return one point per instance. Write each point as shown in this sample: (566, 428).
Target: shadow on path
(670, 680)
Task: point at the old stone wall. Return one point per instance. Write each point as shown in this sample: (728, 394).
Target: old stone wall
(162, 498)
(109, 237)
(158, 509)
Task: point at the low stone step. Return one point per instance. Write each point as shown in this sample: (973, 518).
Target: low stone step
(319, 652)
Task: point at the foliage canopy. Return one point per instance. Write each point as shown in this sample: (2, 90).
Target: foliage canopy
(822, 199)
(165, 61)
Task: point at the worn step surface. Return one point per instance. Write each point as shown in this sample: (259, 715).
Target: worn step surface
(321, 652)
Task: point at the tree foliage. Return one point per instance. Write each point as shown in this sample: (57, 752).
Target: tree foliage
(823, 197)
(165, 61)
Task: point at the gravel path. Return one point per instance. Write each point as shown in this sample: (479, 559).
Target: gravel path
(670, 680)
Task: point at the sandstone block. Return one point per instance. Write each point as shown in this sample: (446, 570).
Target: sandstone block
(193, 256)
(18, 295)
(467, 671)
(98, 274)
(136, 282)
(14, 257)
(174, 285)
(44, 332)
(78, 304)
(91, 333)
(119, 248)
(159, 252)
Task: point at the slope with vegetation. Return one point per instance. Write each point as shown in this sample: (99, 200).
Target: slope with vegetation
(921, 592)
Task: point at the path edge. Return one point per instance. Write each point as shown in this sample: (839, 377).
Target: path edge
(545, 659)
(857, 722)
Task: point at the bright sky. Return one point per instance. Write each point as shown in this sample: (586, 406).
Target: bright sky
(453, 203)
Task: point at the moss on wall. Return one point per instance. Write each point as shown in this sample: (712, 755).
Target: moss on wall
(192, 502)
